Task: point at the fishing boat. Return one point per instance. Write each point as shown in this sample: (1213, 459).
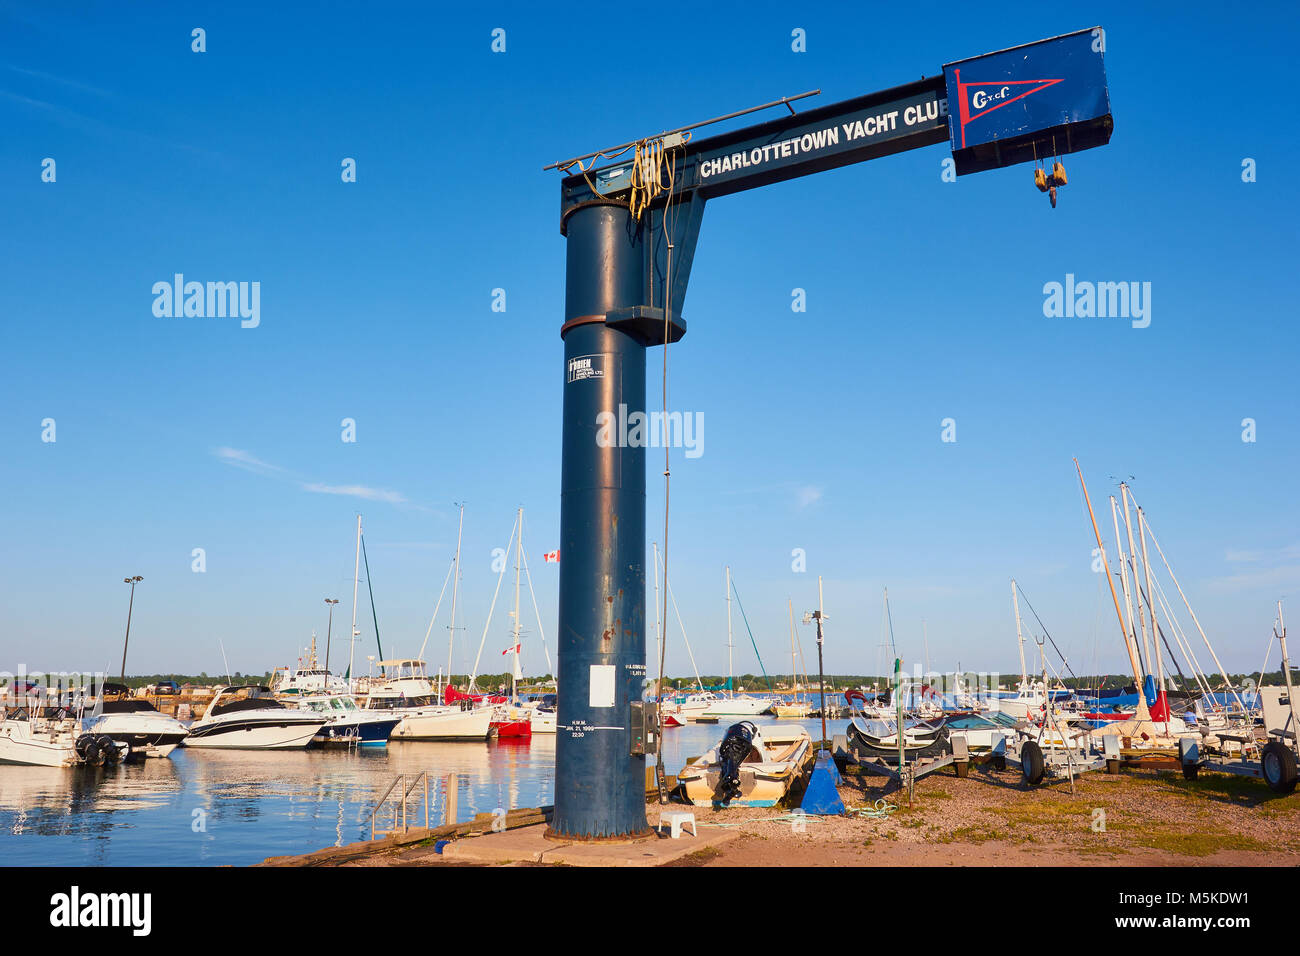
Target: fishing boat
(247, 717)
(748, 768)
(52, 737)
(308, 680)
(134, 724)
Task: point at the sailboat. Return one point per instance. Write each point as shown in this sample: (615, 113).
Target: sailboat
(1031, 696)
(1152, 726)
(732, 705)
(512, 717)
(798, 707)
(404, 689)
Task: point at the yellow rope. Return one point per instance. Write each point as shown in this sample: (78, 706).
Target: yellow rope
(648, 168)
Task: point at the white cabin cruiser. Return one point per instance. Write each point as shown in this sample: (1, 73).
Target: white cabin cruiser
(134, 723)
(248, 718)
(407, 691)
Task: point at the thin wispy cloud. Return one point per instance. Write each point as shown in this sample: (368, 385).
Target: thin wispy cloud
(242, 459)
(61, 80)
(807, 495)
(239, 458)
(1284, 579)
(1289, 553)
(357, 491)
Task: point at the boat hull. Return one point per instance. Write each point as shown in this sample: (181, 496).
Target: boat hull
(762, 784)
(453, 725)
(20, 748)
(737, 707)
(356, 733)
(267, 733)
(148, 734)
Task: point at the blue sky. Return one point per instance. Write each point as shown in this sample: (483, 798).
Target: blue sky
(822, 429)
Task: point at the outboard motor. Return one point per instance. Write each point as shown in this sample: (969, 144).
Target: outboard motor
(110, 749)
(735, 747)
(87, 748)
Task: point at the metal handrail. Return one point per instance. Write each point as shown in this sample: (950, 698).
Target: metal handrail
(406, 793)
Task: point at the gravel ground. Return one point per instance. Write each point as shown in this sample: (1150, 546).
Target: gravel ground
(1137, 818)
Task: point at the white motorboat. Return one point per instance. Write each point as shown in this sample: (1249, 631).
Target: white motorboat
(422, 719)
(52, 737)
(134, 723)
(691, 706)
(248, 718)
(407, 691)
(1029, 700)
(748, 768)
(737, 706)
(346, 724)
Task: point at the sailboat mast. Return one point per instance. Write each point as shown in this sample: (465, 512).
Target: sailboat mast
(925, 640)
(1128, 527)
(731, 683)
(1130, 633)
(1101, 549)
(794, 666)
(1020, 637)
(1155, 633)
(519, 547)
(356, 579)
(455, 588)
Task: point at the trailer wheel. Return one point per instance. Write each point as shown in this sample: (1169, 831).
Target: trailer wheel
(1279, 765)
(1191, 771)
(1032, 767)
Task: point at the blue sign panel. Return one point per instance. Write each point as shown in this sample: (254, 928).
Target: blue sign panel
(1034, 101)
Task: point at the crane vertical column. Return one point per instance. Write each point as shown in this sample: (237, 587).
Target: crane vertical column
(599, 786)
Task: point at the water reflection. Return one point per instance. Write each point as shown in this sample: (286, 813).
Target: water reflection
(214, 807)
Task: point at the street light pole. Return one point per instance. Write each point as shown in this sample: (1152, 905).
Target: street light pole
(819, 616)
(129, 607)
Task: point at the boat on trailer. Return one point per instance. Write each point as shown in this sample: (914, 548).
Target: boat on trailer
(748, 768)
(879, 738)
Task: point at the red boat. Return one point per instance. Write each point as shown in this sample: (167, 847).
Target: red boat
(513, 729)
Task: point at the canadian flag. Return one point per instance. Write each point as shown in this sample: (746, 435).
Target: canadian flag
(510, 650)
(552, 557)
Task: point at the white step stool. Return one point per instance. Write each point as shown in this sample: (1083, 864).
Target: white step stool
(676, 819)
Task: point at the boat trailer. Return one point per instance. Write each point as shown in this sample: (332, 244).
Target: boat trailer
(1274, 762)
(958, 756)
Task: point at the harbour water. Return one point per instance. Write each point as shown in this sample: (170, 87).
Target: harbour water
(212, 808)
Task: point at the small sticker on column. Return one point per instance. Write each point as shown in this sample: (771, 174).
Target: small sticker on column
(602, 685)
(583, 367)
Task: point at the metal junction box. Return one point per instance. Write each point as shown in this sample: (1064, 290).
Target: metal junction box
(644, 723)
(1039, 100)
